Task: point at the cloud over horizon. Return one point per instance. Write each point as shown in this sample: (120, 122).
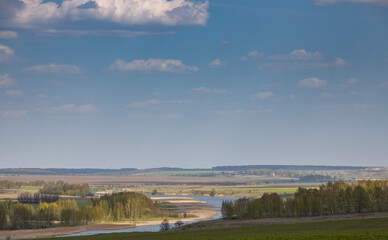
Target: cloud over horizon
(53, 68)
(72, 108)
(113, 14)
(334, 2)
(6, 81)
(312, 82)
(153, 65)
(203, 89)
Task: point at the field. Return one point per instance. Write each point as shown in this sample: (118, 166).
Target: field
(374, 228)
(234, 186)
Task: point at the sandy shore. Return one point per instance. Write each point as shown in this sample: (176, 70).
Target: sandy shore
(198, 208)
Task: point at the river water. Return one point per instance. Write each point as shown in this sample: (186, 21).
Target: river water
(215, 202)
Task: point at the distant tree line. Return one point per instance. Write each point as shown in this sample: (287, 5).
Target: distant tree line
(365, 196)
(32, 198)
(7, 184)
(63, 188)
(285, 167)
(315, 178)
(115, 207)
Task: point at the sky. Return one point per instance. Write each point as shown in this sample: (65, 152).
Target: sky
(193, 84)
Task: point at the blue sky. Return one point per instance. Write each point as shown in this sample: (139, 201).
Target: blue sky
(116, 84)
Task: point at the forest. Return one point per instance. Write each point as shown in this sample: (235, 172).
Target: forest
(63, 188)
(364, 196)
(108, 208)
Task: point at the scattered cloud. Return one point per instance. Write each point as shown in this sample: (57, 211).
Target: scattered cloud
(6, 81)
(203, 89)
(382, 85)
(253, 55)
(224, 42)
(53, 68)
(239, 111)
(326, 95)
(41, 96)
(299, 54)
(13, 93)
(362, 106)
(263, 95)
(300, 59)
(312, 83)
(6, 53)
(153, 65)
(8, 35)
(292, 96)
(143, 104)
(281, 66)
(353, 81)
(42, 14)
(338, 62)
(217, 63)
(13, 113)
(333, 2)
(171, 116)
(72, 108)
(183, 101)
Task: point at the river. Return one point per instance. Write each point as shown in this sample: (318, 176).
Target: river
(215, 202)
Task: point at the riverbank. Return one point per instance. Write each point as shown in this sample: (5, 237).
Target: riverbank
(183, 204)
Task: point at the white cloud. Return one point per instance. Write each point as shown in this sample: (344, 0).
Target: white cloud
(339, 62)
(332, 2)
(12, 113)
(217, 63)
(13, 93)
(153, 65)
(362, 106)
(263, 95)
(253, 55)
(6, 81)
(6, 53)
(8, 34)
(292, 96)
(35, 13)
(312, 83)
(298, 54)
(53, 68)
(203, 89)
(353, 81)
(143, 104)
(71, 108)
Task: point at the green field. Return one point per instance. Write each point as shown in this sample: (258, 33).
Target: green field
(340, 229)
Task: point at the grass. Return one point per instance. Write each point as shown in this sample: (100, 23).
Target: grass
(376, 228)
